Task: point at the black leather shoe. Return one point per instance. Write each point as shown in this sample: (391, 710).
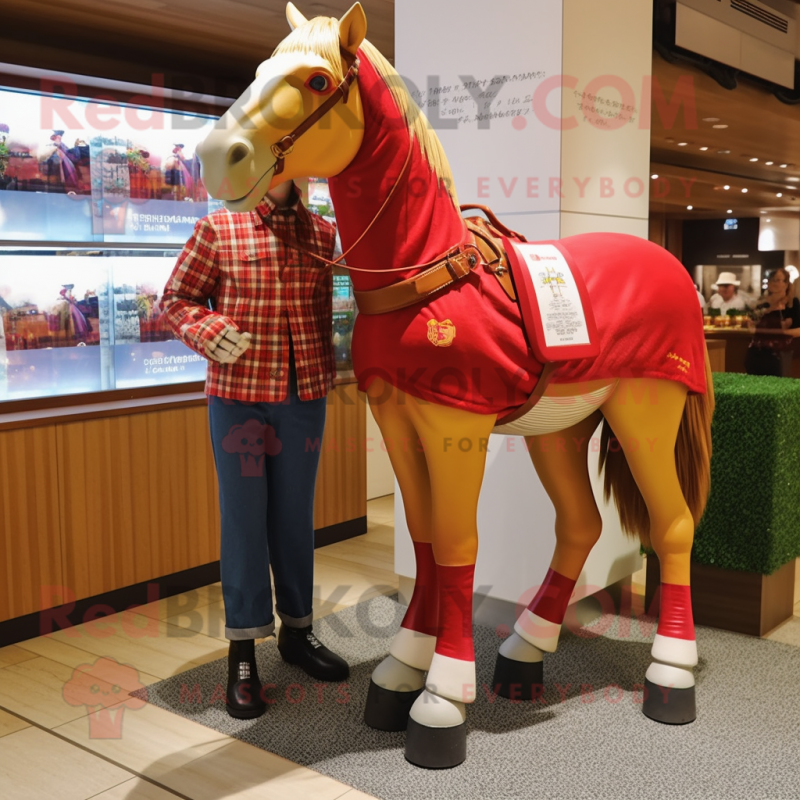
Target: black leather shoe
(299, 646)
(244, 695)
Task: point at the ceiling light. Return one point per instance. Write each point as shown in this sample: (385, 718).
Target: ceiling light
(768, 219)
(720, 127)
(793, 180)
(744, 191)
(763, 212)
(710, 119)
(783, 166)
(704, 148)
(754, 159)
(689, 208)
(769, 163)
(723, 152)
(730, 211)
(726, 187)
(682, 144)
(780, 194)
(654, 176)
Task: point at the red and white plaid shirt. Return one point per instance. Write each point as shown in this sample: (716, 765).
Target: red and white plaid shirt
(257, 284)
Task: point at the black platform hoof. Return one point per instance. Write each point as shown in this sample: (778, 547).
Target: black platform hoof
(436, 748)
(672, 706)
(387, 710)
(516, 679)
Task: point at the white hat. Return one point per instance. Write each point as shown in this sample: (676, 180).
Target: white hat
(727, 277)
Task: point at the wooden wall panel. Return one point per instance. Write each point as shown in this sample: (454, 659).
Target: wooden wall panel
(30, 541)
(341, 492)
(99, 504)
(139, 498)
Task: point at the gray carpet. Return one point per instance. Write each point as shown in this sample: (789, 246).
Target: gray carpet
(744, 744)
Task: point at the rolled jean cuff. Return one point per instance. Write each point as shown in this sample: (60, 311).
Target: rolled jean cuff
(261, 632)
(296, 622)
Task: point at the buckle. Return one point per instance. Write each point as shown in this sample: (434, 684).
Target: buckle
(282, 148)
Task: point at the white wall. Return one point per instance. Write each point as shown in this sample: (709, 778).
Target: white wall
(557, 52)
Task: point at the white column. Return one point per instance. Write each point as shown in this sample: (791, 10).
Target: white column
(539, 105)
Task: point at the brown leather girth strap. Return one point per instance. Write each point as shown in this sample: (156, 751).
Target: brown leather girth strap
(484, 248)
(456, 265)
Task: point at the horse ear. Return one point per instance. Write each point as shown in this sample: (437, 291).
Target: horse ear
(353, 28)
(294, 17)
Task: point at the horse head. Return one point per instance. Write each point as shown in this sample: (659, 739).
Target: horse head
(281, 127)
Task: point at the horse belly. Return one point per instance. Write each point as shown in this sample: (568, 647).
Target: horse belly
(557, 413)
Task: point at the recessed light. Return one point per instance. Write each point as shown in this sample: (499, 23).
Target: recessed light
(689, 208)
(783, 166)
(768, 219)
(726, 187)
(710, 119)
(654, 176)
(682, 144)
(744, 191)
(793, 180)
(754, 159)
(723, 152)
(720, 127)
(730, 211)
(763, 212)
(780, 194)
(704, 148)
(769, 163)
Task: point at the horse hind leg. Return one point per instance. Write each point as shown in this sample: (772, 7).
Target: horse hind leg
(645, 416)
(560, 460)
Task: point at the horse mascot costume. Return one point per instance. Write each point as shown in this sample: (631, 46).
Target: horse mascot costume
(443, 353)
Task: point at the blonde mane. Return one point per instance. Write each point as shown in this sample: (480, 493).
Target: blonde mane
(321, 36)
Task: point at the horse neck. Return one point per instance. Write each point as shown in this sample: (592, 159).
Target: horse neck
(419, 222)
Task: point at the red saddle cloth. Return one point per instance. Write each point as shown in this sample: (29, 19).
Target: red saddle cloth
(466, 347)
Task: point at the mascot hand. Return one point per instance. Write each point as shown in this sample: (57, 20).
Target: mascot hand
(228, 346)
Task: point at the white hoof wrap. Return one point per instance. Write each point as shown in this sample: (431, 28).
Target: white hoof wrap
(412, 648)
(670, 650)
(538, 631)
(433, 711)
(517, 649)
(395, 676)
(670, 677)
(451, 678)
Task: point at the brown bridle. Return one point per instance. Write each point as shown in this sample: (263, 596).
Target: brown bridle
(284, 146)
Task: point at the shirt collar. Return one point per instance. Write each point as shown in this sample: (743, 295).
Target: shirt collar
(266, 207)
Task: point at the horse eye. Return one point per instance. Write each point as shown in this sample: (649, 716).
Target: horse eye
(319, 83)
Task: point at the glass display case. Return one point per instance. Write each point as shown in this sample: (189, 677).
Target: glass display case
(96, 201)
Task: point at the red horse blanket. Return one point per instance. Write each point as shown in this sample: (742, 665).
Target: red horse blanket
(466, 347)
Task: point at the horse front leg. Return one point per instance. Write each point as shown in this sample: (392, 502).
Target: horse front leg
(399, 679)
(560, 460)
(455, 443)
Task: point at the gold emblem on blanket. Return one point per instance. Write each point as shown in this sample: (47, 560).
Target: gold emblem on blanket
(442, 333)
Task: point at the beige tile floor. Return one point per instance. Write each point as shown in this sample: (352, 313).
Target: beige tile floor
(47, 748)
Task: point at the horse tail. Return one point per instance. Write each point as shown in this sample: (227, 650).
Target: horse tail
(692, 462)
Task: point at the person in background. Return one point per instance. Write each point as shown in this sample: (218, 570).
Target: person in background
(247, 294)
(701, 299)
(777, 311)
(727, 296)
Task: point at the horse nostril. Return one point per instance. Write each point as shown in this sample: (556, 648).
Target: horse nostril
(237, 153)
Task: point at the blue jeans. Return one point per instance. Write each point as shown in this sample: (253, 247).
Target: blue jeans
(267, 456)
